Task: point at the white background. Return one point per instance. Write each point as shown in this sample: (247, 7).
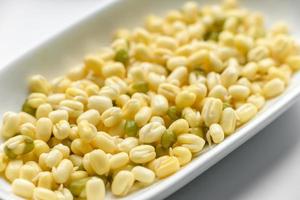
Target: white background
(266, 167)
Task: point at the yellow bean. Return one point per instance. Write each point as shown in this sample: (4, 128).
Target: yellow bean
(86, 131)
(80, 147)
(94, 64)
(58, 115)
(136, 74)
(213, 79)
(111, 116)
(76, 160)
(77, 175)
(179, 74)
(142, 154)
(45, 180)
(265, 64)
(63, 171)
(121, 100)
(131, 107)
(159, 105)
(239, 92)
(215, 134)
(258, 53)
(99, 103)
(280, 73)
(64, 193)
(42, 161)
(166, 42)
(34, 100)
(143, 174)
(282, 46)
(40, 147)
(166, 167)
(65, 150)
(199, 89)
(183, 154)
(179, 126)
(250, 70)
(246, 112)
(197, 59)
(104, 142)
(28, 129)
(44, 129)
(60, 84)
(10, 124)
(117, 130)
(44, 194)
(73, 107)
(212, 110)
(12, 170)
(168, 90)
(219, 92)
(157, 119)
(95, 189)
(185, 99)
(229, 76)
(192, 116)
(53, 158)
(29, 172)
(92, 116)
(117, 84)
(273, 88)
(122, 183)
(23, 188)
(141, 35)
(144, 99)
(113, 69)
(154, 80)
(193, 142)
(26, 118)
(43, 110)
(62, 130)
(257, 100)
(215, 62)
(151, 132)
(143, 116)
(38, 83)
(99, 162)
(118, 160)
(228, 121)
(195, 77)
(92, 90)
(127, 144)
(142, 52)
(86, 163)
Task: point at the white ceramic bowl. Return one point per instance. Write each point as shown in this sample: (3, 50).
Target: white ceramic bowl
(66, 49)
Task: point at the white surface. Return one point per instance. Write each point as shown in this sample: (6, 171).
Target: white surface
(266, 167)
